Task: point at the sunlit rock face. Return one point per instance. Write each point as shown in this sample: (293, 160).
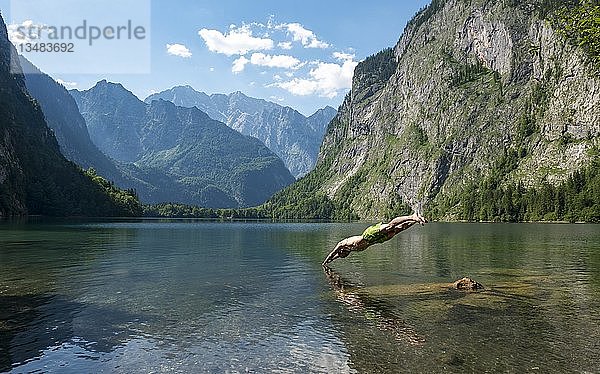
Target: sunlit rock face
(467, 82)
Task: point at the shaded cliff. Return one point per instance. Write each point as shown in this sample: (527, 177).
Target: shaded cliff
(34, 176)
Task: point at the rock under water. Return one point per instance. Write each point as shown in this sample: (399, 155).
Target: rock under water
(467, 284)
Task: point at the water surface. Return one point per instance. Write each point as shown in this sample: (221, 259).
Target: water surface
(164, 296)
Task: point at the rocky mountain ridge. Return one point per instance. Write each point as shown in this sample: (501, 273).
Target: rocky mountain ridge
(63, 118)
(292, 136)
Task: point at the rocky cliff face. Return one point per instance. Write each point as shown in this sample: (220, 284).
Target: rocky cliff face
(12, 178)
(292, 136)
(113, 116)
(468, 82)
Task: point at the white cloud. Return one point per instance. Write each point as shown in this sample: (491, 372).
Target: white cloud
(239, 65)
(300, 87)
(285, 45)
(25, 32)
(179, 50)
(277, 61)
(343, 56)
(238, 41)
(303, 35)
(326, 79)
(261, 59)
(68, 85)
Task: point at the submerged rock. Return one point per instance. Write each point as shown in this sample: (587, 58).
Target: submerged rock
(467, 284)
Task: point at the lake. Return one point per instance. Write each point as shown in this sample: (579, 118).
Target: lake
(193, 296)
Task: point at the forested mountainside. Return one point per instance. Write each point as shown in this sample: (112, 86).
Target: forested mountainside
(484, 110)
(35, 178)
(180, 154)
(292, 136)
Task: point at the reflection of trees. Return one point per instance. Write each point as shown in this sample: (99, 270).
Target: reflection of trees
(372, 309)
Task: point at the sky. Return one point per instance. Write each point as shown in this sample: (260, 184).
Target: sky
(301, 54)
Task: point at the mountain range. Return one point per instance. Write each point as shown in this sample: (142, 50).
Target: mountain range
(115, 151)
(179, 154)
(292, 136)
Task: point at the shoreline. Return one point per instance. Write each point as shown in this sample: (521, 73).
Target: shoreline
(41, 219)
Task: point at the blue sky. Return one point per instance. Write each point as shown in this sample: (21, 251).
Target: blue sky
(299, 54)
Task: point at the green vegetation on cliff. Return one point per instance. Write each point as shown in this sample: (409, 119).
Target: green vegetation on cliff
(579, 22)
(55, 187)
(299, 201)
(575, 199)
(125, 202)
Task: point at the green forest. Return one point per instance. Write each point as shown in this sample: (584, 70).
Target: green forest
(579, 22)
(574, 200)
(176, 210)
(124, 201)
